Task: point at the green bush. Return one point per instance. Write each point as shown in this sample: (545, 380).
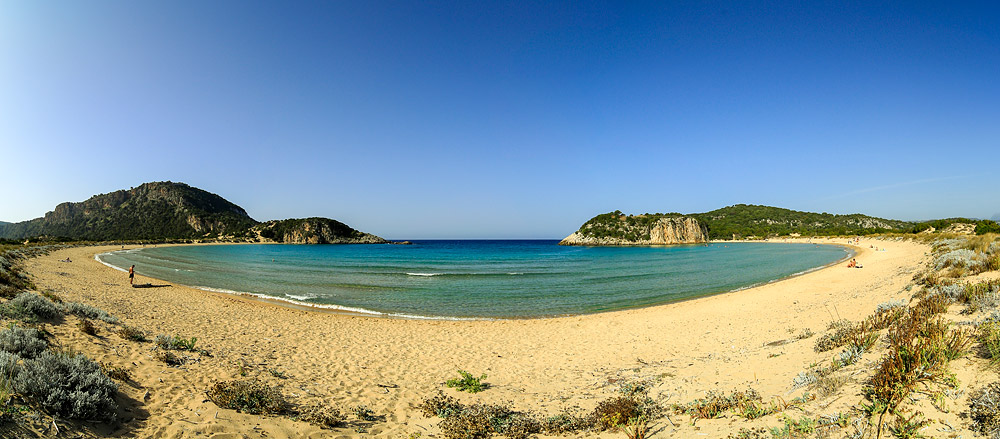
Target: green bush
(176, 342)
(468, 383)
(73, 386)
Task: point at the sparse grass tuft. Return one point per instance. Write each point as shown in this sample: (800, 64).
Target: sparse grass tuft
(843, 330)
(989, 339)
(253, 397)
(132, 333)
(176, 342)
(908, 427)
(751, 433)
(795, 428)
(829, 385)
(637, 428)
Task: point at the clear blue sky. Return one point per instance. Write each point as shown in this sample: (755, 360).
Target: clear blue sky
(472, 120)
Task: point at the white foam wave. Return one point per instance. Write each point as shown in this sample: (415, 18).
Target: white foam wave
(97, 258)
(304, 297)
(332, 307)
(424, 274)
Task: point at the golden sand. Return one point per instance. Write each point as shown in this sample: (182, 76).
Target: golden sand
(723, 342)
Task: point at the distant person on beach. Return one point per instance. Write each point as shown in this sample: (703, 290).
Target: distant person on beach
(131, 275)
(852, 264)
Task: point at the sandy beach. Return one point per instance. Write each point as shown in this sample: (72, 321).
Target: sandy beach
(724, 342)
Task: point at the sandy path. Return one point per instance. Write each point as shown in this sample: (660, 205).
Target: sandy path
(713, 343)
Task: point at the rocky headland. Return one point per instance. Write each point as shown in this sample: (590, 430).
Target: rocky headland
(616, 229)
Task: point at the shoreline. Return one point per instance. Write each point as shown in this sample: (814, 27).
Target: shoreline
(852, 251)
(685, 349)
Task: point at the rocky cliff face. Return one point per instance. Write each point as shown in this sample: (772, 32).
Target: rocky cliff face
(621, 230)
(313, 231)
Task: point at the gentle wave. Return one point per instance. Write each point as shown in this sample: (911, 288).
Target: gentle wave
(97, 258)
(515, 273)
(333, 307)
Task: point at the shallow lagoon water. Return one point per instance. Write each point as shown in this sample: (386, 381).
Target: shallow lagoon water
(476, 279)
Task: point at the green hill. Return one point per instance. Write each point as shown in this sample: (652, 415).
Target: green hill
(167, 210)
(159, 210)
(747, 220)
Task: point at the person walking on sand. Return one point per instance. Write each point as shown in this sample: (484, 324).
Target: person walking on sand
(131, 275)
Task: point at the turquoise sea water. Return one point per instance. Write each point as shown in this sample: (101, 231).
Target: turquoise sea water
(493, 279)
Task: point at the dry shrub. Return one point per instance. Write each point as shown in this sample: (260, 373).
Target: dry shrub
(842, 329)
(565, 422)
(984, 410)
(253, 397)
(470, 423)
(956, 272)
(829, 385)
(440, 405)
(87, 327)
(132, 333)
(862, 337)
(614, 412)
(480, 421)
(168, 357)
(325, 417)
(115, 372)
(919, 351)
(931, 305)
(885, 317)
